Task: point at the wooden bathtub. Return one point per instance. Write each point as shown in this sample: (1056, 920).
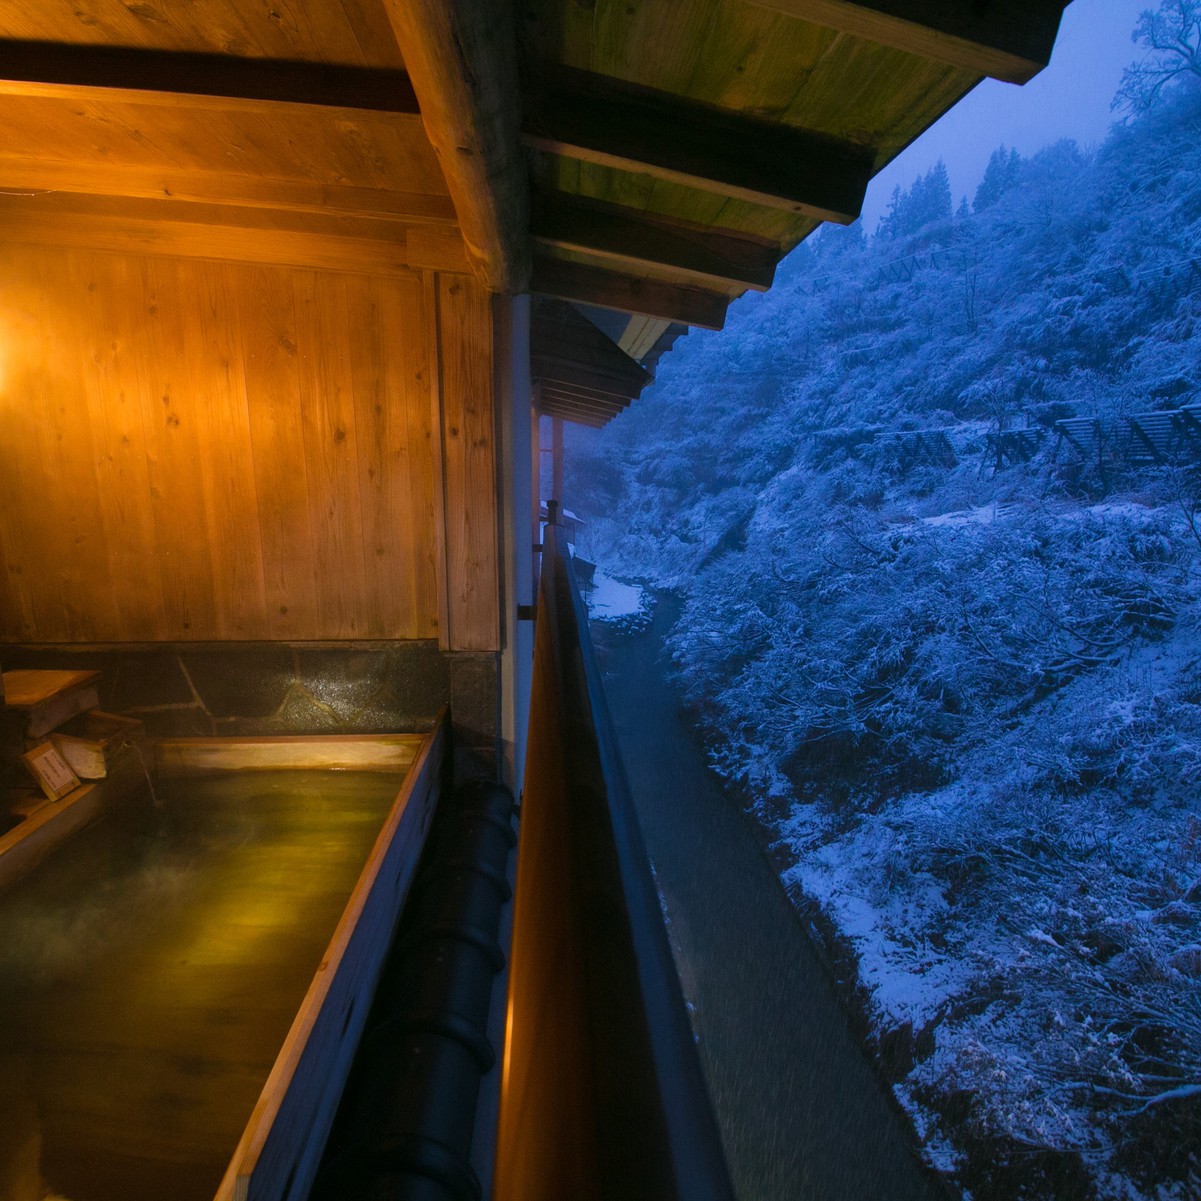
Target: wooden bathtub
(173, 1143)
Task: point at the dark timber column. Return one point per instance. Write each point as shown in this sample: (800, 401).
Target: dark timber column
(518, 497)
(556, 484)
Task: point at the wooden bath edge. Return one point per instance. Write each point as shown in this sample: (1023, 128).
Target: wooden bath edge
(280, 1149)
(327, 752)
(24, 846)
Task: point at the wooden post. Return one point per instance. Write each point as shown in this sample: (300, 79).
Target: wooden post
(461, 56)
(536, 471)
(512, 359)
(556, 486)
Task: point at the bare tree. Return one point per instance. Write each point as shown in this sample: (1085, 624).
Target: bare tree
(1172, 37)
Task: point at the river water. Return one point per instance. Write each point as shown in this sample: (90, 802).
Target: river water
(803, 1115)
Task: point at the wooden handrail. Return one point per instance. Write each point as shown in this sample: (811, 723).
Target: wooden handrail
(603, 1096)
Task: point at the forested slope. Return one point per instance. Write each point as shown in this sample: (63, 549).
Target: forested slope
(965, 692)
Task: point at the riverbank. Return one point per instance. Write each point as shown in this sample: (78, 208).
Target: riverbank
(963, 985)
(802, 1111)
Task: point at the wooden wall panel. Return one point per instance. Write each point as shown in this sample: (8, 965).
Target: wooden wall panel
(174, 393)
(114, 348)
(330, 449)
(465, 332)
(267, 319)
(205, 451)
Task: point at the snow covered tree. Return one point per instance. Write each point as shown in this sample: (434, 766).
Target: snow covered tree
(1172, 37)
(999, 176)
(927, 201)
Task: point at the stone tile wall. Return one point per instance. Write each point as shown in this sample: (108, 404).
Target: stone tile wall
(203, 689)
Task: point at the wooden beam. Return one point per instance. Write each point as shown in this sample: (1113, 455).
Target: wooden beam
(611, 290)
(629, 238)
(581, 388)
(596, 421)
(1005, 39)
(462, 58)
(214, 80)
(584, 384)
(237, 234)
(586, 118)
(328, 752)
(21, 174)
(582, 392)
(566, 348)
(641, 335)
(584, 404)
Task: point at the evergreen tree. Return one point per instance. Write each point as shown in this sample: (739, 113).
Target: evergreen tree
(1000, 175)
(929, 200)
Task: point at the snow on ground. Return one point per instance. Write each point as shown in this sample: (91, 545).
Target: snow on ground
(1044, 940)
(981, 515)
(1029, 928)
(610, 600)
(1139, 510)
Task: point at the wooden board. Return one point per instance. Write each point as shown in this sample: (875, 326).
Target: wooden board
(465, 347)
(334, 752)
(26, 844)
(738, 58)
(31, 688)
(90, 742)
(281, 1148)
(353, 32)
(214, 451)
(52, 772)
(49, 698)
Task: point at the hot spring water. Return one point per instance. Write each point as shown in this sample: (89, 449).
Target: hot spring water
(150, 970)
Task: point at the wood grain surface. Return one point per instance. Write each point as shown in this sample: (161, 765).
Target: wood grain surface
(203, 450)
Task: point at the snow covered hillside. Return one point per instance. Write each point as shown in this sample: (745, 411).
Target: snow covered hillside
(963, 689)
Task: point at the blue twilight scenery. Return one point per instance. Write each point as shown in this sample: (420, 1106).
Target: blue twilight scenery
(934, 507)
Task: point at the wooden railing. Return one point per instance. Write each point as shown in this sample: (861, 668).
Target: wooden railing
(602, 1095)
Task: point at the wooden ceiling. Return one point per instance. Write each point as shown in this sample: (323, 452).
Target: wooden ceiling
(656, 157)
(232, 129)
(675, 150)
(713, 135)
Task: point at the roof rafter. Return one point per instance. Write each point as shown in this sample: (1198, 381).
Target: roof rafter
(582, 401)
(628, 238)
(594, 421)
(1009, 40)
(210, 80)
(612, 290)
(183, 186)
(585, 117)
